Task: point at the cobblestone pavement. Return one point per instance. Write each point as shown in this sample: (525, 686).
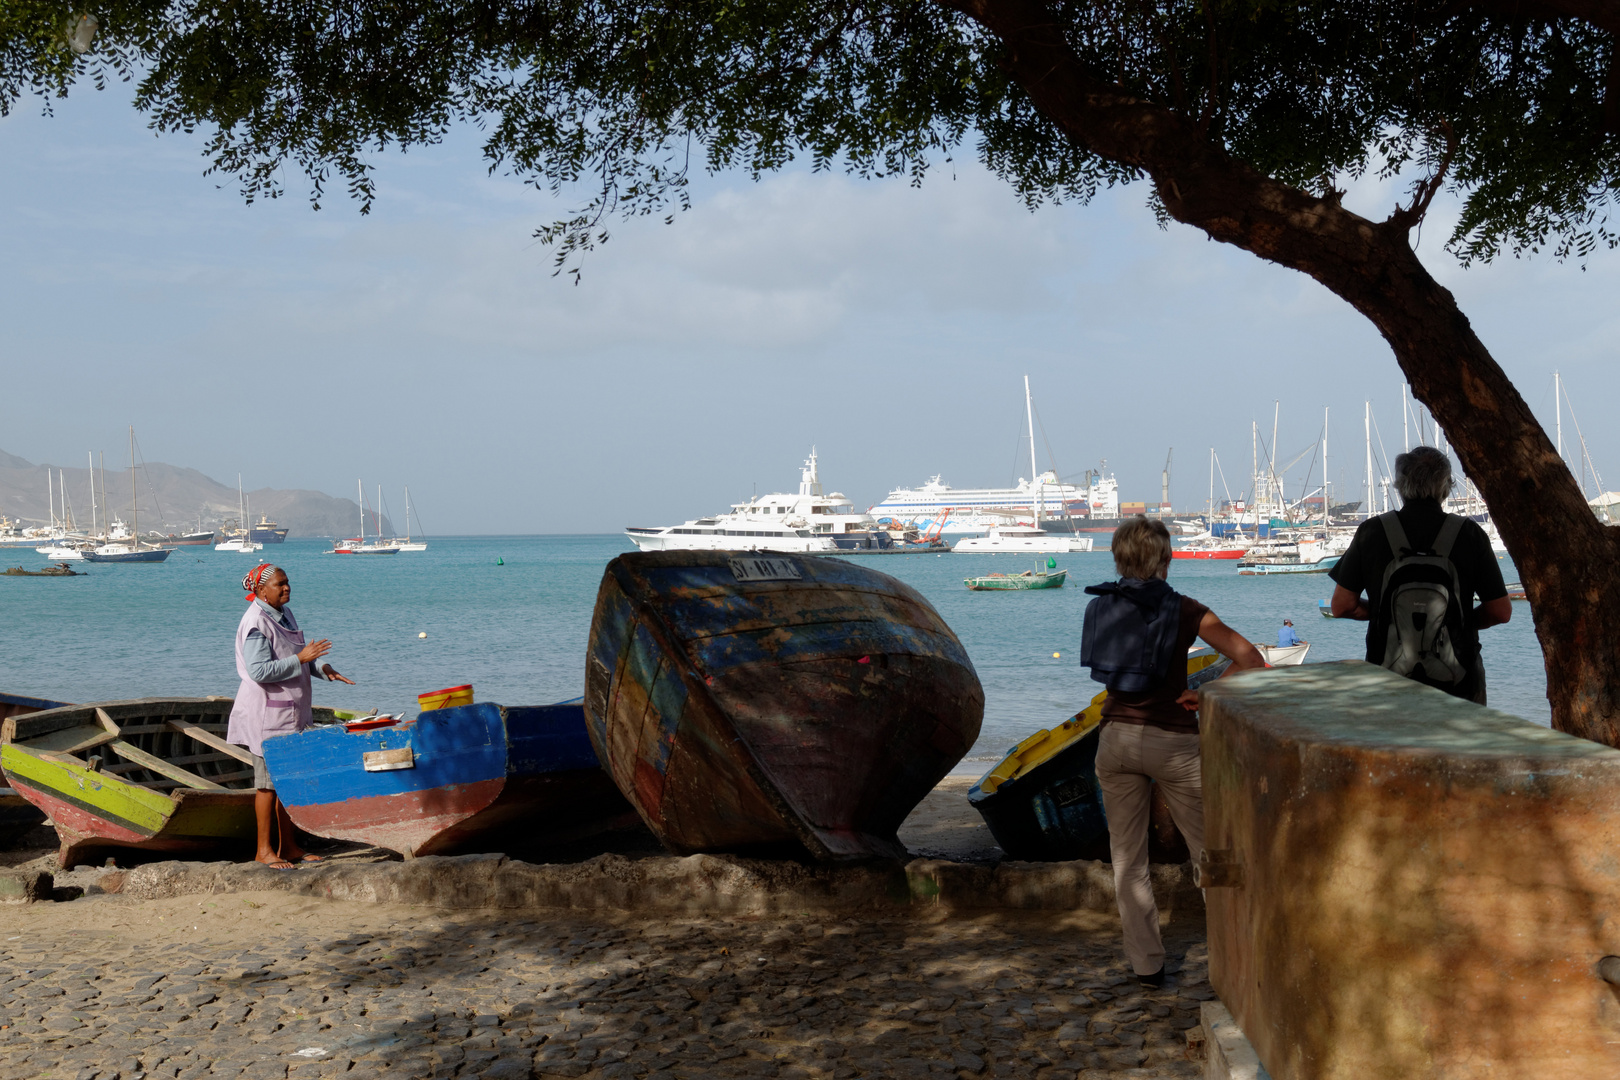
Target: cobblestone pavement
(265, 985)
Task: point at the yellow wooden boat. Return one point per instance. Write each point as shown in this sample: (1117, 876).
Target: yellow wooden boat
(1041, 800)
(154, 775)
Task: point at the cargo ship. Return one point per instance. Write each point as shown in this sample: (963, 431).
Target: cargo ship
(267, 532)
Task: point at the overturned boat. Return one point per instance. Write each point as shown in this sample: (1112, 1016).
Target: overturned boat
(471, 778)
(774, 703)
(155, 775)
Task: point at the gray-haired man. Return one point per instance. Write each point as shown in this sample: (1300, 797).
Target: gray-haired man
(1423, 478)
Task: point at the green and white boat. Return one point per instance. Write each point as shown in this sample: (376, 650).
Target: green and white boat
(1029, 579)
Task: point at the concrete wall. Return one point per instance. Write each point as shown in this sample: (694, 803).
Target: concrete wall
(1415, 886)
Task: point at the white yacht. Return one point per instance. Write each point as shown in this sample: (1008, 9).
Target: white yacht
(1023, 540)
(805, 523)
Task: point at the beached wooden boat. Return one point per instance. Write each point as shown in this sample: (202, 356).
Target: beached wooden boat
(1042, 801)
(154, 775)
(774, 703)
(471, 778)
(17, 814)
(1029, 579)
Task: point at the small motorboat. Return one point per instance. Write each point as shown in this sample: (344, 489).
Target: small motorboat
(465, 779)
(1029, 579)
(774, 703)
(1042, 803)
(1284, 655)
(155, 775)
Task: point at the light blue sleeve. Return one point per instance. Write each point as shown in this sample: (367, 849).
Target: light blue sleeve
(262, 665)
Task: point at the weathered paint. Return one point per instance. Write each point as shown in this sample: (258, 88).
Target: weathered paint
(750, 715)
(98, 810)
(1419, 886)
(483, 775)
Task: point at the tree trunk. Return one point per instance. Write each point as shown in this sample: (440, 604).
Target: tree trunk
(1570, 562)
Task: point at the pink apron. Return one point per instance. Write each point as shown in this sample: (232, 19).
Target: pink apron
(266, 709)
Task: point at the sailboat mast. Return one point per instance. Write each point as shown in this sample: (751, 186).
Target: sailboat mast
(1558, 411)
(1029, 416)
(1209, 507)
(1325, 505)
(91, 468)
(379, 513)
(134, 510)
(50, 497)
(360, 493)
(408, 509)
(1366, 423)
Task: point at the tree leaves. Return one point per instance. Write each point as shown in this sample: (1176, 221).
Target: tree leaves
(616, 102)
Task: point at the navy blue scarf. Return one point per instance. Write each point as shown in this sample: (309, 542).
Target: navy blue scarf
(1130, 633)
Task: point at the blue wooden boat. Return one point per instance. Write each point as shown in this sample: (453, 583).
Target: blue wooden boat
(774, 703)
(479, 777)
(1042, 801)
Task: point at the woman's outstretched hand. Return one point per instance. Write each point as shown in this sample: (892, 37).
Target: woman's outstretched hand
(332, 674)
(314, 650)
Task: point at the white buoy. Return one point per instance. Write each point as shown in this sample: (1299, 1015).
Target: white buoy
(423, 634)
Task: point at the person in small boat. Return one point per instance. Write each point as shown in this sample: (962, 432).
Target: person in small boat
(1136, 637)
(1396, 639)
(1286, 635)
(276, 665)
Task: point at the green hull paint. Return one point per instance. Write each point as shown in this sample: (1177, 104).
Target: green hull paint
(998, 583)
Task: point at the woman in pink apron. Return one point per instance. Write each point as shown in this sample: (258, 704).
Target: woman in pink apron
(276, 665)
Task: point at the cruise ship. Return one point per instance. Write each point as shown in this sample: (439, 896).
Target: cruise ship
(1061, 507)
(808, 522)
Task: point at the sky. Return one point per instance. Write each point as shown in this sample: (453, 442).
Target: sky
(429, 344)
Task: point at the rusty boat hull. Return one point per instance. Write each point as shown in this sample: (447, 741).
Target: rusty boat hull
(784, 704)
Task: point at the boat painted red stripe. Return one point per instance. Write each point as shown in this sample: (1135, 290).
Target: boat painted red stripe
(85, 822)
(401, 822)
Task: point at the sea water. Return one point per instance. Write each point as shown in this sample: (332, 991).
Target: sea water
(511, 616)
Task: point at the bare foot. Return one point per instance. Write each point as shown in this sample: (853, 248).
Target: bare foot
(275, 862)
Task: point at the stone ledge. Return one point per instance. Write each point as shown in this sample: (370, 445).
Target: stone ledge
(1228, 1054)
(696, 884)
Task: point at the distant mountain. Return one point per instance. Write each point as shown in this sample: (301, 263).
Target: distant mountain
(171, 500)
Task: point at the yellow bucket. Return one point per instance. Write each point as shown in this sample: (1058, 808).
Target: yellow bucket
(445, 699)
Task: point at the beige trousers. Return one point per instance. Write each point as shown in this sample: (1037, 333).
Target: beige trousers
(1128, 757)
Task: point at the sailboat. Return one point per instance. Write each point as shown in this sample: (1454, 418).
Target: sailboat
(239, 538)
(406, 543)
(132, 551)
(357, 545)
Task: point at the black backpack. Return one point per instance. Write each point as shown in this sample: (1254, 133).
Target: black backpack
(1421, 611)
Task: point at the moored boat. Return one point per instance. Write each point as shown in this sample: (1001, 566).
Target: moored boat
(154, 775)
(758, 703)
(1023, 540)
(1321, 566)
(1029, 579)
(1041, 800)
(1284, 655)
(59, 570)
(472, 778)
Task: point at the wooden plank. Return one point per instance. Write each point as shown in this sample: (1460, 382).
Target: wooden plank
(169, 785)
(73, 739)
(240, 753)
(161, 767)
(388, 760)
(187, 759)
(154, 729)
